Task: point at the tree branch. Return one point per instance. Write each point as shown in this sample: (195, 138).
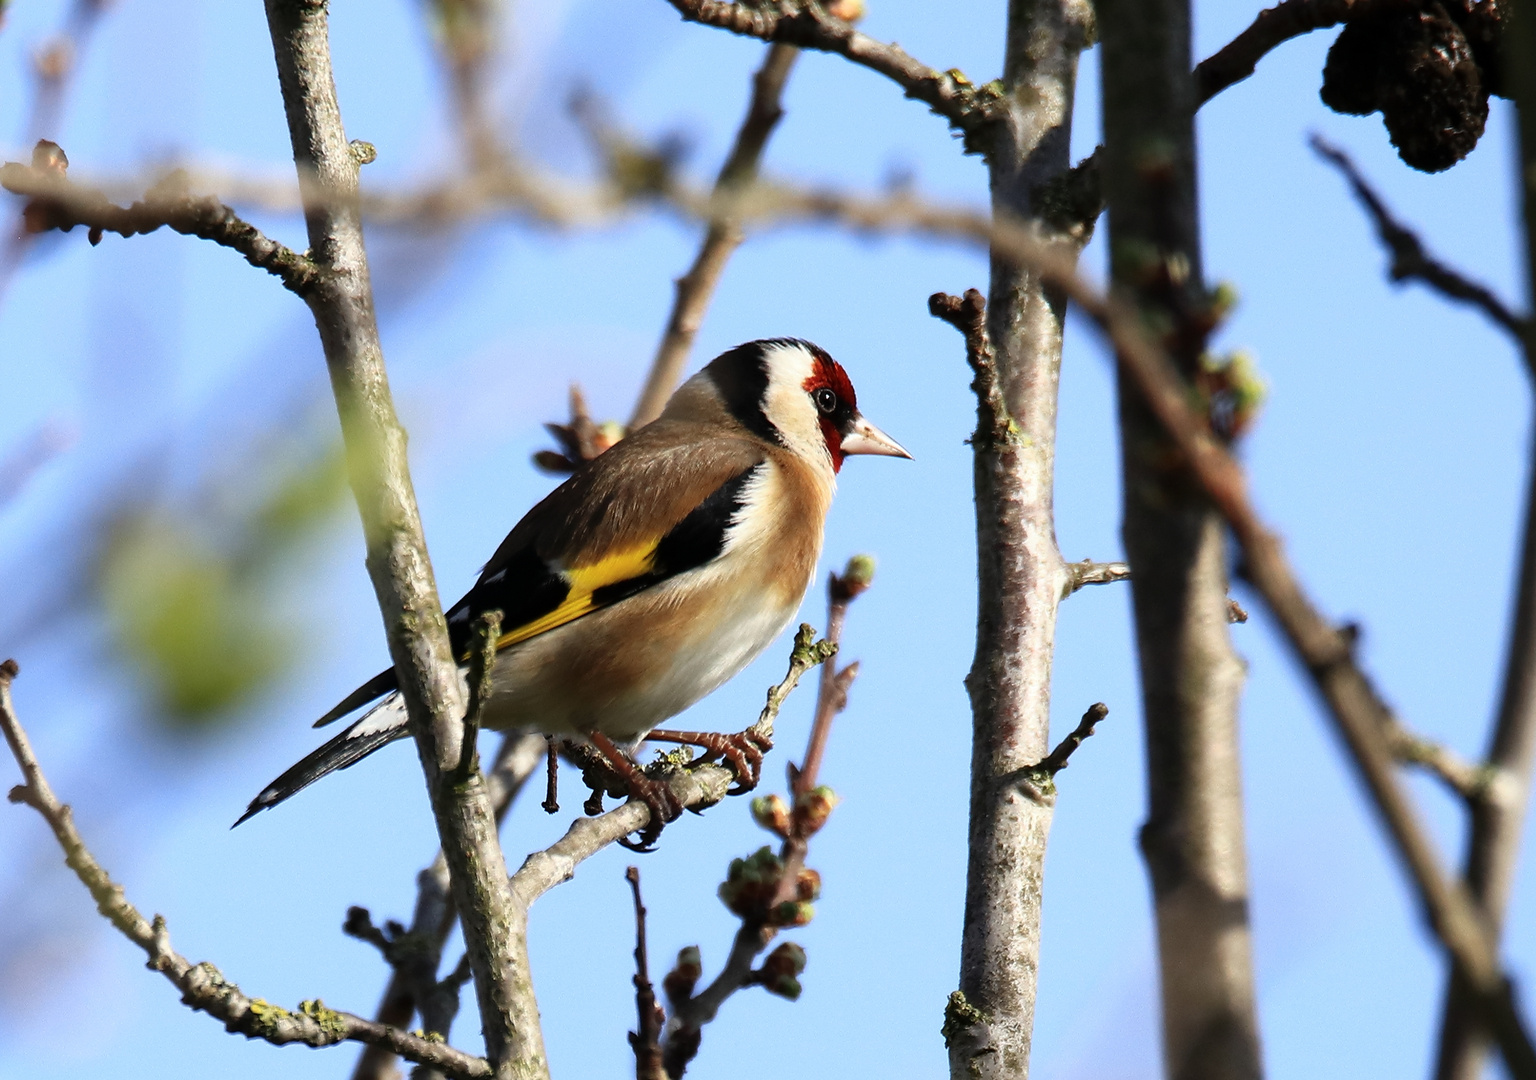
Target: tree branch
(56, 203)
(696, 288)
(203, 987)
(970, 110)
(1057, 760)
(1494, 841)
(1191, 677)
(398, 563)
(1409, 259)
(1356, 709)
(1238, 59)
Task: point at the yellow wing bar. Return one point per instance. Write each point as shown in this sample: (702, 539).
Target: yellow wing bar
(584, 581)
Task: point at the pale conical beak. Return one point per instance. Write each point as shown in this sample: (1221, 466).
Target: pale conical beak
(865, 438)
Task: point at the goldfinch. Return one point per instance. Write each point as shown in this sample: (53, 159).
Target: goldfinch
(656, 572)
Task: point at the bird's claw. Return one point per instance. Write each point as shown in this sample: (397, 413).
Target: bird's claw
(663, 805)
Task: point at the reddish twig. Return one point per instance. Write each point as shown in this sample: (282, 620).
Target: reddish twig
(646, 1041)
(771, 892)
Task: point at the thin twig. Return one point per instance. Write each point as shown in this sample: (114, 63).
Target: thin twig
(1494, 841)
(646, 1039)
(696, 288)
(1057, 760)
(56, 203)
(1237, 59)
(1471, 782)
(203, 987)
(1409, 259)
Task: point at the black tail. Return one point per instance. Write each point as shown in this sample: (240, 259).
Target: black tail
(382, 725)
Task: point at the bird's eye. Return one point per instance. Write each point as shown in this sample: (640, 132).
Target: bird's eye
(825, 400)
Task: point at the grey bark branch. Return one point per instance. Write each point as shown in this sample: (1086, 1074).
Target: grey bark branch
(203, 987)
(1493, 845)
(1191, 678)
(1013, 345)
(397, 554)
(696, 288)
(1409, 259)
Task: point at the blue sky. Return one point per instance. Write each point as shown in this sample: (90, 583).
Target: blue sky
(1391, 453)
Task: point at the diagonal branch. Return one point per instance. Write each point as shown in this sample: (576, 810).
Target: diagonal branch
(1359, 714)
(1409, 259)
(970, 110)
(1238, 59)
(696, 288)
(401, 570)
(203, 987)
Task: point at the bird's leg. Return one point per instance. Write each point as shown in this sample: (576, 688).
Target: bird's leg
(657, 796)
(744, 750)
(551, 803)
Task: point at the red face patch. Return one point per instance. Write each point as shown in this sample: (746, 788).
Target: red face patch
(828, 375)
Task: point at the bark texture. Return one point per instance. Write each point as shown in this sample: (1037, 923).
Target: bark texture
(1174, 540)
(397, 555)
(1020, 572)
(1497, 820)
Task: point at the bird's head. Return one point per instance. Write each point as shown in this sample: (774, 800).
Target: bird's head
(793, 393)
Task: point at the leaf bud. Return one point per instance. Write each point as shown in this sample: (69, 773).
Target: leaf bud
(772, 813)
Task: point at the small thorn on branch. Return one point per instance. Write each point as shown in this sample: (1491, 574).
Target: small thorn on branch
(1064, 749)
(1089, 572)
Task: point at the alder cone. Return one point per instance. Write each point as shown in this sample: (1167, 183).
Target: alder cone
(1418, 67)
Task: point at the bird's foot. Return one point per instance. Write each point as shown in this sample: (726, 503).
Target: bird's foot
(743, 750)
(655, 794)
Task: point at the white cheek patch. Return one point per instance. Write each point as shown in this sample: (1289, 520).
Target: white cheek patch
(786, 403)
